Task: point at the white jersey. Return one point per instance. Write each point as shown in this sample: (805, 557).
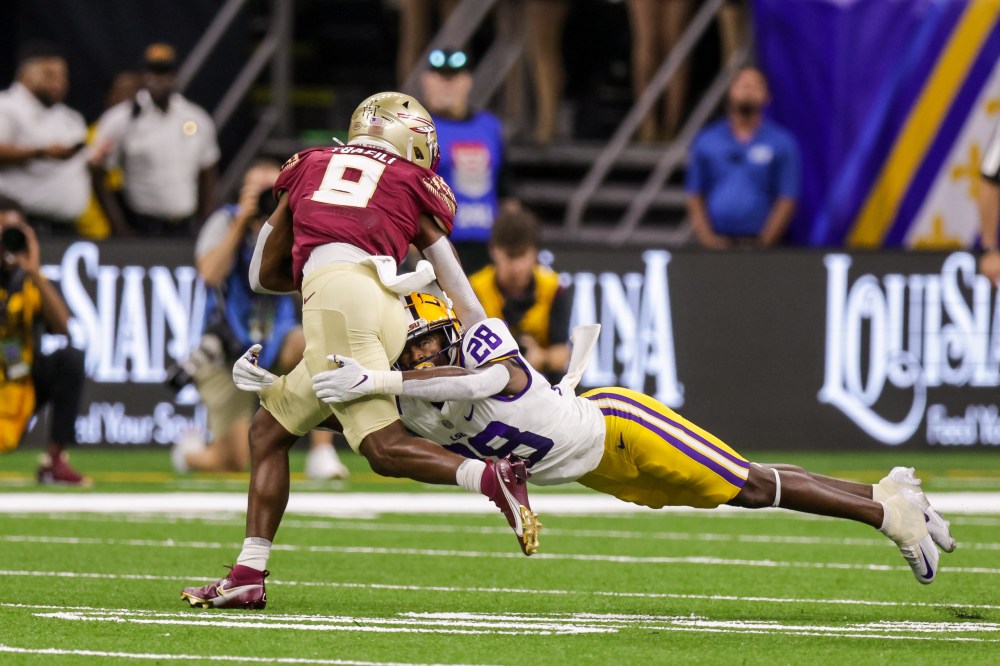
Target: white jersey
(560, 437)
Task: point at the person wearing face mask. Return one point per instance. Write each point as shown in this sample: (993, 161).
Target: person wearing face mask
(43, 164)
(744, 172)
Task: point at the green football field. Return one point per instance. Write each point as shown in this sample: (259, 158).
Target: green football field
(431, 583)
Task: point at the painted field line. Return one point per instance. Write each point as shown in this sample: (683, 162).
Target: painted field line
(740, 599)
(380, 527)
(196, 658)
(504, 624)
(426, 552)
(346, 504)
(497, 625)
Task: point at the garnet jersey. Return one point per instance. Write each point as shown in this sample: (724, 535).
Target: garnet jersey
(561, 437)
(363, 196)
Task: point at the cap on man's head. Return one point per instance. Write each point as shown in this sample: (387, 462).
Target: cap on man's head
(449, 61)
(160, 58)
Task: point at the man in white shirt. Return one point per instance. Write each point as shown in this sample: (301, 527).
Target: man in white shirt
(42, 162)
(166, 147)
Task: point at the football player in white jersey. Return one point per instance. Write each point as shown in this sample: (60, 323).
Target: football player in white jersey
(474, 394)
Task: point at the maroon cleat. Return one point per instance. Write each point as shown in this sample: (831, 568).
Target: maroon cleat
(505, 483)
(56, 470)
(242, 588)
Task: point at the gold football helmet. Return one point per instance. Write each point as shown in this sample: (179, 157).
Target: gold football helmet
(399, 121)
(428, 314)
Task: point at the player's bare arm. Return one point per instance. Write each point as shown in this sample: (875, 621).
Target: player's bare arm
(271, 265)
(437, 249)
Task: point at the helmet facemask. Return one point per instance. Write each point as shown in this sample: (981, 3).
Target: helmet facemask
(427, 314)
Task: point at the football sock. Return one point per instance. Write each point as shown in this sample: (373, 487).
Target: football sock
(255, 553)
(879, 493)
(470, 475)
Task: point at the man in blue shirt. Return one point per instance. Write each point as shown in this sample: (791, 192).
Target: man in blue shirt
(472, 146)
(744, 173)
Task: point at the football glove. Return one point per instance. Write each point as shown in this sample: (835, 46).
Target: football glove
(352, 380)
(248, 376)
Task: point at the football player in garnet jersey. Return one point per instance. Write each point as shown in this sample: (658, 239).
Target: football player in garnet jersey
(345, 219)
(476, 395)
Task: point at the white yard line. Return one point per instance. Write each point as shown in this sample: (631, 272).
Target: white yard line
(366, 526)
(739, 599)
(544, 624)
(478, 554)
(196, 658)
(367, 504)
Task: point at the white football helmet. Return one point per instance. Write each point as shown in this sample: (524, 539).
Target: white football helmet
(400, 121)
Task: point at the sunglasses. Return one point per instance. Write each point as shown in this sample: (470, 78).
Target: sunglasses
(439, 59)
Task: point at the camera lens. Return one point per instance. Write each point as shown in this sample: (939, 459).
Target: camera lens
(266, 204)
(13, 240)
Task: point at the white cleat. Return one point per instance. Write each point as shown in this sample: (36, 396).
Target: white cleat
(901, 478)
(190, 442)
(322, 464)
(904, 523)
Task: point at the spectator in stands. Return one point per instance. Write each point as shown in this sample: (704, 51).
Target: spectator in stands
(545, 20)
(30, 379)
(94, 222)
(525, 294)
(167, 149)
(43, 164)
(732, 27)
(472, 152)
(744, 173)
(989, 209)
(416, 21)
(657, 26)
(236, 318)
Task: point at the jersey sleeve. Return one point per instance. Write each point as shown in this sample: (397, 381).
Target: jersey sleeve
(487, 342)
(438, 200)
(291, 171)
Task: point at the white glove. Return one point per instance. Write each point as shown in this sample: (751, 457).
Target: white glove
(352, 381)
(248, 376)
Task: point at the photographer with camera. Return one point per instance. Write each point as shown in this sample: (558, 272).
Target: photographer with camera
(236, 318)
(30, 379)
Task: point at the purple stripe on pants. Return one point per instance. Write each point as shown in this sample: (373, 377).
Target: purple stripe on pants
(722, 452)
(679, 445)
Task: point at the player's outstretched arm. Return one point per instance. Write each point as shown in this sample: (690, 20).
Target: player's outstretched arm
(352, 380)
(437, 249)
